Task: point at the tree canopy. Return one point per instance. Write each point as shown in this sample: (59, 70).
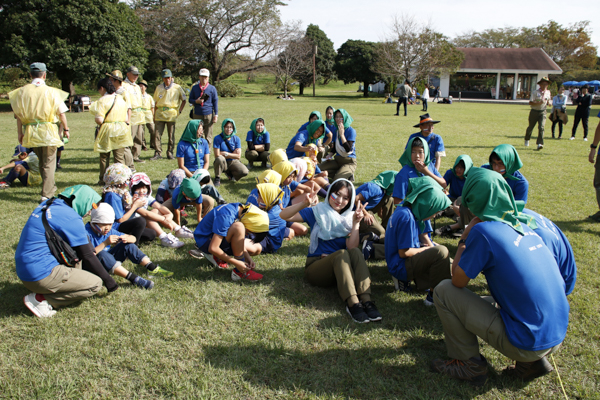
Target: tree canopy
(325, 59)
(355, 61)
(77, 39)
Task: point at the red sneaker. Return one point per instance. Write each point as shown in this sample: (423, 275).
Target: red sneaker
(249, 275)
(221, 264)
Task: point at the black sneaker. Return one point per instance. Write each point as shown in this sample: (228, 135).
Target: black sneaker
(372, 311)
(429, 299)
(156, 157)
(58, 166)
(370, 236)
(528, 371)
(444, 231)
(368, 250)
(402, 286)
(217, 182)
(458, 233)
(250, 166)
(358, 314)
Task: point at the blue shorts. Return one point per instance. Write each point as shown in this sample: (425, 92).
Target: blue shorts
(266, 243)
(225, 246)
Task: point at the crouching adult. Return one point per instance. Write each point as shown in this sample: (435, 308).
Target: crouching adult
(52, 282)
(527, 316)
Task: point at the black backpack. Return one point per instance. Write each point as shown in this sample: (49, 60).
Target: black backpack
(60, 249)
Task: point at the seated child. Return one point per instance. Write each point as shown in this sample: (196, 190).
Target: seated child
(278, 156)
(259, 143)
(290, 189)
(455, 178)
(267, 197)
(313, 172)
(167, 185)
(203, 178)
(269, 176)
(113, 247)
(406, 259)
(222, 235)
(189, 192)
(25, 167)
(141, 188)
(435, 142)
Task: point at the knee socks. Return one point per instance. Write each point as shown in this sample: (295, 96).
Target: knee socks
(12, 175)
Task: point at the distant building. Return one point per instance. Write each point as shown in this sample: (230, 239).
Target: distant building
(498, 73)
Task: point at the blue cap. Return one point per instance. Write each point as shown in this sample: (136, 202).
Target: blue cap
(20, 149)
(166, 73)
(37, 67)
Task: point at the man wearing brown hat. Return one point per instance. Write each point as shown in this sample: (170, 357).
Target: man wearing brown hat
(537, 115)
(170, 101)
(148, 111)
(137, 120)
(116, 77)
(37, 107)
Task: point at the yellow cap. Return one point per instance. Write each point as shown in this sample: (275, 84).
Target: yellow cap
(269, 176)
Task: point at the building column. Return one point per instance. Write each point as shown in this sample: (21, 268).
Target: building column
(498, 86)
(515, 86)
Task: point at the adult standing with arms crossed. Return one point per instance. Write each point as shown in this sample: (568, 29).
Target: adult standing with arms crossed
(403, 92)
(582, 113)
(170, 100)
(205, 99)
(38, 108)
(537, 115)
(137, 119)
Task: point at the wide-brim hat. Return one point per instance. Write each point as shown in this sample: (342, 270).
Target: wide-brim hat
(425, 118)
(143, 82)
(544, 79)
(116, 74)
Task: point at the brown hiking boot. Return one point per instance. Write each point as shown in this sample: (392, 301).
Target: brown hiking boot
(528, 371)
(472, 371)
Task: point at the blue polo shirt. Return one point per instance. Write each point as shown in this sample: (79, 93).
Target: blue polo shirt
(372, 194)
(402, 232)
(435, 142)
(325, 246)
(177, 205)
(560, 247)
(301, 137)
(187, 151)
(287, 193)
(519, 187)
(525, 281)
(96, 238)
(220, 143)
(407, 172)
(262, 139)
(350, 135)
(276, 224)
(116, 202)
(217, 221)
(33, 258)
(456, 184)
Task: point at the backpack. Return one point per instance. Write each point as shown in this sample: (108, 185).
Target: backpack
(60, 249)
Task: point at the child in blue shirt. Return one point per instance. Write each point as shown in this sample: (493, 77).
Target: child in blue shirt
(193, 151)
(228, 151)
(189, 192)
(343, 164)
(506, 161)
(435, 142)
(291, 188)
(259, 143)
(455, 178)
(267, 197)
(113, 247)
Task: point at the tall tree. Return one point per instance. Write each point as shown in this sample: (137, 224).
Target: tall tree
(492, 38)
(354, 62)
(77, 39)
(325, 60)
(296, 56)
(415, 51)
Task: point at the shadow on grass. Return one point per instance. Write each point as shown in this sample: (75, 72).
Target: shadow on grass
(577, 226)
(361, 373)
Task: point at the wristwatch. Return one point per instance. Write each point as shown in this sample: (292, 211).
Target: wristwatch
(461, 241)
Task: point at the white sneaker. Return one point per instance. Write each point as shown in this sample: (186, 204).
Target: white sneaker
(572, 138)
(184, 233)
(43, 199)
(171, 241)
(210, 259)
(41, 309)
(585, 139)
(527, 143)
(540, 146)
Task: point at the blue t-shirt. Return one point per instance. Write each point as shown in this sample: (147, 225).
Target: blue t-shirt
(402, 232)
(262, 139)
(456, 184)
(333, 131)
(96, 238)
(187, 151)
(350, 135)
(519, 187)
(287, 193)
(301, 137)
(116, 202)
(560, 247)
(525, 281)
(33, 258)
(220, 143)
(435, 142)
(177, 205)
(324, 246)
(407, 172)
(276, 224)
(217, 221)
(372, 194)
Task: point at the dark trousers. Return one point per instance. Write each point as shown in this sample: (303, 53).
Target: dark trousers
(424, 104)
(137, 227)
(560, 127)
(584, 121)
(401, 100)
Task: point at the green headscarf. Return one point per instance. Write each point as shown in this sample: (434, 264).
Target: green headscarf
(489, 197)
(312, 128)
(191, 187)
(253, 127)
(347, 118)
(510, 158)
(385, 180)
(426, 198)
(190, 135)
(81, 198)
(406, 160)
(225, 121)
(317, 113)
(466, 160)
(330, 120)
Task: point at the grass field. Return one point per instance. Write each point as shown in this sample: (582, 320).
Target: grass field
(199, 335)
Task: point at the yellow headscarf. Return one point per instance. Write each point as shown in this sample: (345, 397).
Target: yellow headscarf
(285, 168)
(313, 149)
(270, 193)
(255, 219)
(269, 176)
(278, 156)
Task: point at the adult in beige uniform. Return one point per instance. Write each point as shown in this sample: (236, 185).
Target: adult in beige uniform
(114, 135)
(540, 99)
(38, 108)
(148, 110)
(137, 119)
(116, 77)
(170, 100)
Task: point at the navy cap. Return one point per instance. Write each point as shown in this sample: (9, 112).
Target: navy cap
(20, 149)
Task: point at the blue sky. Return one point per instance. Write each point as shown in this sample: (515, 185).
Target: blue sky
(367, 20)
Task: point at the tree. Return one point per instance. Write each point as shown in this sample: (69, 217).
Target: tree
(416, 51)
(325, 59)
(296, 56)
(491, 38)
(77, 39)
(354, 62)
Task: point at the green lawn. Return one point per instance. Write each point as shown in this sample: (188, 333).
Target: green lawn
(199, 335)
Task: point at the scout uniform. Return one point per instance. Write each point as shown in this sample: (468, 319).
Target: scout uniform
(167, 105)
(138, 118)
